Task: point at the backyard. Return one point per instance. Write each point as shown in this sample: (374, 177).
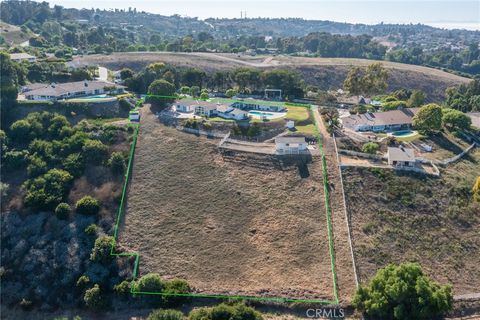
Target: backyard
(228, 225)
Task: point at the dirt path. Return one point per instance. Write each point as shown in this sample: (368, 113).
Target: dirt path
(343, 254)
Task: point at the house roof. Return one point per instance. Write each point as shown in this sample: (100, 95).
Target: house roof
(400, 154)
(290, 140)
(400, 116)
(237, 112)
(475, 116)
(59, 89)
(223, 108)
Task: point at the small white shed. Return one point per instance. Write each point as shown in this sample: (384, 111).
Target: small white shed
(290, 145)
(401, 157)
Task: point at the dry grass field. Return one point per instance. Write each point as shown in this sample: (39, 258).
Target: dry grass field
(228, 226)
(327, 73)
(404, 217)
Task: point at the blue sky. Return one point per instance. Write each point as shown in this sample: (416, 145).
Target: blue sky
(438, 12)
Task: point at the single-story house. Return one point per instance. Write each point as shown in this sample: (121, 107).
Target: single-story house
(475, 116)
(401, 157)
(17, 57)
(381, 121)
(250, 104)
(290, 145)
(205, 108)
(69, 90)
(184, 107)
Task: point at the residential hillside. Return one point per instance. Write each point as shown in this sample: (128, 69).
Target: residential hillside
(408, 217)
(326, 73)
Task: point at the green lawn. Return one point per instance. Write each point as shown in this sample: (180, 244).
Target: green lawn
(297, 113)
(308, 129)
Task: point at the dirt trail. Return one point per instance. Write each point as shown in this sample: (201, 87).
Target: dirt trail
(343, 257)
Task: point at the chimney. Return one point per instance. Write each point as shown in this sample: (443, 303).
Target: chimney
(85, 83)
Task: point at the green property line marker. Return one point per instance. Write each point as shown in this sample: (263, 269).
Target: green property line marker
(136, 255)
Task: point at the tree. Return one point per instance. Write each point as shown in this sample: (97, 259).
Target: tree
(428, 118)
(93, 298)
(8, 82)
(375, 79)
(101, 249)
(403, 292)
(476, 190)
(167, 314)
(370, 80)
(74, 164)
(204, 96)
(62, 210)
(417, 99)
(160, 93)
(87, 205)
(455, 119)
(126, 73)
(353, 81)
(231, 93)
(370, 147)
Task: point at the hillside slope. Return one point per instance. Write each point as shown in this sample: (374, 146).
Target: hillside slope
(327, 73)
(406, 217)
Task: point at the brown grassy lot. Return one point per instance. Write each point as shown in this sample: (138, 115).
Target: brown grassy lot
(240, 226)
(405, 217)
(327, 73)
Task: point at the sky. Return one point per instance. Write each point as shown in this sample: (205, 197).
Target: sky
(440, 13)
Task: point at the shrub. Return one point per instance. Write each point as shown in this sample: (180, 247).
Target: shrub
(87, 205)
(224, 311)
(48, 190)
(101, 249)
(117, 163)
(83, 281)
(93, 298)
(14, 159)
(91, 229)
(94, 151)
(151, 282)
(74, 164)
(476, 190)
(62, 210)
(370, 147)
(403, 292)
(167, 314)
(176, 286)
(123, 288)
(36, 166)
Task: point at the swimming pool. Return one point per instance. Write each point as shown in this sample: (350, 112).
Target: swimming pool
(403, 133)
(267, 115)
